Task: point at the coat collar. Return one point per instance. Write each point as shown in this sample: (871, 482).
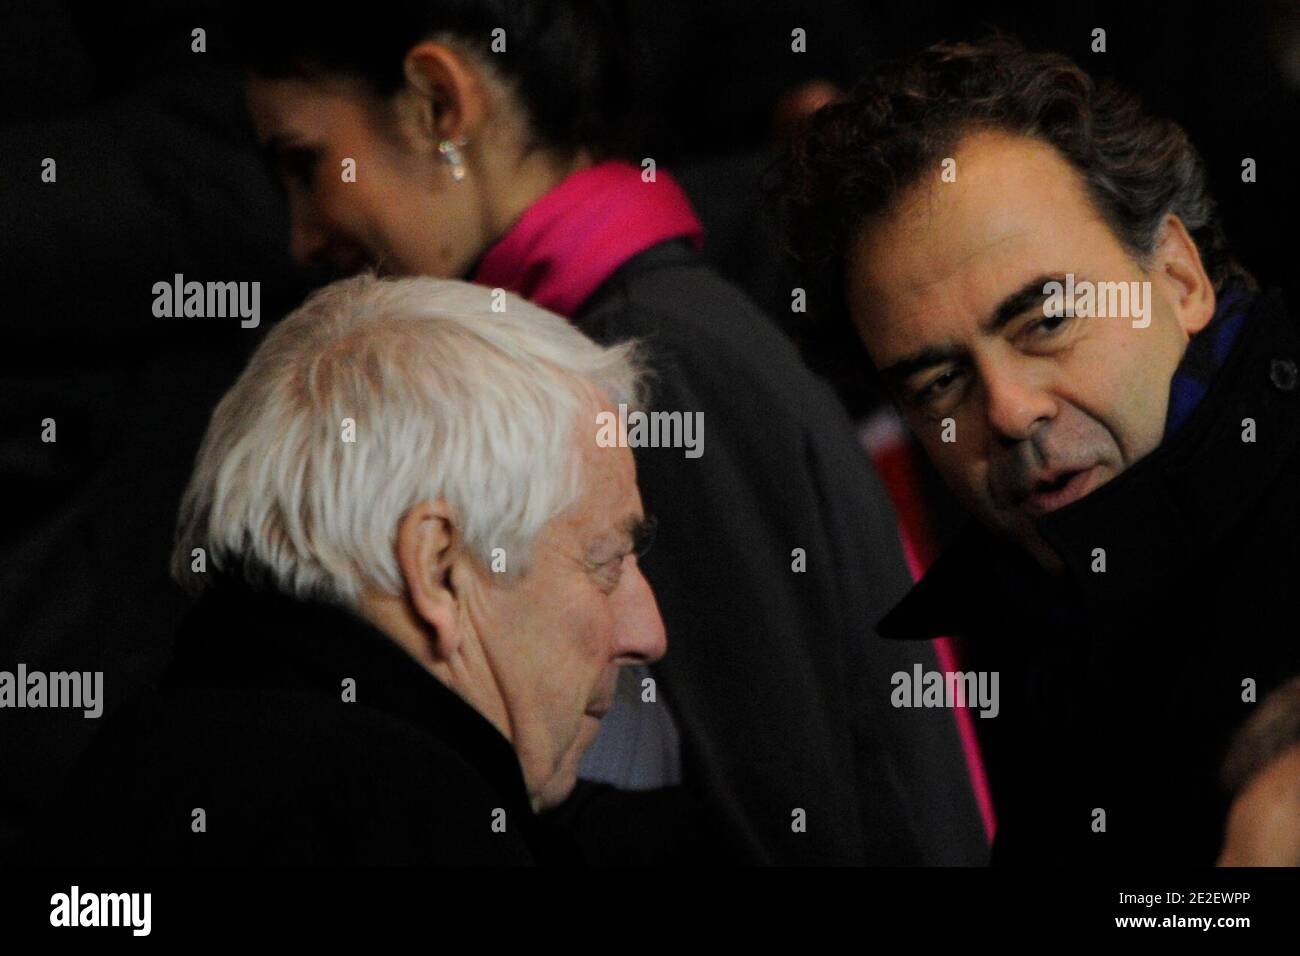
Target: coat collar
(237, 636)
(1170, 509)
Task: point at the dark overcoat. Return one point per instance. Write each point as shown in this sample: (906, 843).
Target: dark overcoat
(1123, 680)
(295, 733)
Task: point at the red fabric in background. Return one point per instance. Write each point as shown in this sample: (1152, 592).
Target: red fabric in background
(895, 458)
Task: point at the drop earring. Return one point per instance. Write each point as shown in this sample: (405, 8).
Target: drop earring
(450, 152)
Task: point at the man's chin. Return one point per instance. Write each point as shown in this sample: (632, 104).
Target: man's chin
(555, 791)
(561, 783)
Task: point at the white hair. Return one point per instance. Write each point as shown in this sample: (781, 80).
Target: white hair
(449, 398)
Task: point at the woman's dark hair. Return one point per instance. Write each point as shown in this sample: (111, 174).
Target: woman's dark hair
(563, 58)
(860, 154)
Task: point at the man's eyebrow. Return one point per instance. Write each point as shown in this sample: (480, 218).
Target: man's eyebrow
(641, 529)
(1027, 296)
(638, 530)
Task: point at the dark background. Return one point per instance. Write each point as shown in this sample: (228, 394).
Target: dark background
(158, 174)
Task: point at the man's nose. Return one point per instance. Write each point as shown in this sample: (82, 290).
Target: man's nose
(638, 629)
(1016, 403)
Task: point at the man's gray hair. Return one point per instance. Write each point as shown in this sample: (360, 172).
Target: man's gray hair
(376, 395)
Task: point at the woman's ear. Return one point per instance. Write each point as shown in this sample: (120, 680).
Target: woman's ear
(428, 543)
(451, 85)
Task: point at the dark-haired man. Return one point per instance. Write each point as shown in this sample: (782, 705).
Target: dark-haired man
(1130, 449)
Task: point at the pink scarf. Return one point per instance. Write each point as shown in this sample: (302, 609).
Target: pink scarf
(576, 236)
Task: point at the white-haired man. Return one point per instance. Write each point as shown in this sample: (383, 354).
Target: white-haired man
(418, 574)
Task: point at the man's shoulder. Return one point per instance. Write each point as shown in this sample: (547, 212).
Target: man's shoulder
(286, 729)
(284, 775)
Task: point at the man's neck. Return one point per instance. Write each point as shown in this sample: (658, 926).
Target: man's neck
(465, 671)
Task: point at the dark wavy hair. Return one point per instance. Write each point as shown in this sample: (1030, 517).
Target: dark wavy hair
(565, 60)
(858, 155)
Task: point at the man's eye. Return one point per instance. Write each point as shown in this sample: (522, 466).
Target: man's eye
(937, 386)
(611, 572)
(1047, 326)
(942, 394)
(607, 573)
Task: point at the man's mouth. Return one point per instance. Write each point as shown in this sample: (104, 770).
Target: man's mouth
(1059, 489)
(597, 710)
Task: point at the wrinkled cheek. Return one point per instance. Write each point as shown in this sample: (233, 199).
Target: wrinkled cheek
(561, 782)
(1122, 399)
(1113, 435)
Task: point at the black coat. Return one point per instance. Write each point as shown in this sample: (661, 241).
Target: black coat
(1120, 689)
(776, 678)
(250, 725)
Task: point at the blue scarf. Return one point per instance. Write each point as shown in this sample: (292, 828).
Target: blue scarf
(1206, 354)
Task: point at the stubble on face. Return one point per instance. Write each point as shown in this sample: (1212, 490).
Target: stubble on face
(1041, 414)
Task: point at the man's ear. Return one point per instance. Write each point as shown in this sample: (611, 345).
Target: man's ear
(428, 543)
(1176, 266)
(449, 87)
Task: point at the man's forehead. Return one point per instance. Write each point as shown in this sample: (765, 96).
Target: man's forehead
(610, 499)
(961, 276)
(1004, 186)
(1015, 211)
